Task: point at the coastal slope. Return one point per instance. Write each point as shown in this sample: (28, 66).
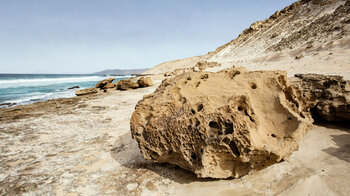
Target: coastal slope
(304, 37)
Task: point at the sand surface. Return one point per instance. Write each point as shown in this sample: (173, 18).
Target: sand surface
(83, 146)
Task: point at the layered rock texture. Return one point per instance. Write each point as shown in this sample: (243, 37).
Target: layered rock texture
(224, 124)
(331, 94)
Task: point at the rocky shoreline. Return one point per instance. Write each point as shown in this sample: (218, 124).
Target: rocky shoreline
(83, 146)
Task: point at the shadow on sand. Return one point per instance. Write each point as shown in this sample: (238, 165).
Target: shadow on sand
(127, 153)
(342, 141)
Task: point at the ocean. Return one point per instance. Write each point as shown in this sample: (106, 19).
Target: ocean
(19, 89)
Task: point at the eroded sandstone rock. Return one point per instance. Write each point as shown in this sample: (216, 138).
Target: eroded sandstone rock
(145, 82)
(221, 125)
(86, 91)
(331, 94)
(103, 83)
(126, 84)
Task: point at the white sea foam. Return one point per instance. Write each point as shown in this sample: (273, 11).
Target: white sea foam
(47, 81)
(34, 97)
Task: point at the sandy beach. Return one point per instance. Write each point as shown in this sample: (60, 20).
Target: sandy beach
(83, 146)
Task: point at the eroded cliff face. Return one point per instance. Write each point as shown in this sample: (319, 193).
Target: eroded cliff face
(224, 124)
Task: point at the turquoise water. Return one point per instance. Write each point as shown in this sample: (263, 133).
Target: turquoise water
(22, 89)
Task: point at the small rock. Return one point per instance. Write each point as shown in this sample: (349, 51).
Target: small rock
(73, 87)
(86, 91)
(102, 84)
(127, 84)
(145, 82)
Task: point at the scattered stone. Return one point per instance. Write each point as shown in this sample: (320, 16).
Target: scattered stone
(127, 84)
(331, 94)
(102, 84)
(224, 124)
(73, 87)
(145, 82)
(202, 65)
(7, 104)
(86, 91)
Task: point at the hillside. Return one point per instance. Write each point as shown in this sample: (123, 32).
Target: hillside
(306, 36)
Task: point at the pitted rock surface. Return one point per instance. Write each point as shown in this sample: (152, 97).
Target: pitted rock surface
(221, 125)
(331, 94)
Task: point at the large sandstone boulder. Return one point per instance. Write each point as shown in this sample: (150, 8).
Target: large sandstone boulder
(221, 125)
(145, 82)
(103, 83)
(331, 94)
(86, 91)
(127, 84)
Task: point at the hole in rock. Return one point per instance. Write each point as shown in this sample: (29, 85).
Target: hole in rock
(240, 108)
(235, 74)
(234, 149)
(200, 107)
(205, 76)
(193, 156)
(253, 86)
(197, 123)
(273, 135)
(229, 128)
(289, 118)
(193, 112)
(154, 155)
(226, 140)
(214, 125)
(170, 152)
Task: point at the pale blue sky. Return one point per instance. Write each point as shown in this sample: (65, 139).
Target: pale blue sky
(84, 36)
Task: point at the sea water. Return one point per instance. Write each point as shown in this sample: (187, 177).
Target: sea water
(19, 89)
